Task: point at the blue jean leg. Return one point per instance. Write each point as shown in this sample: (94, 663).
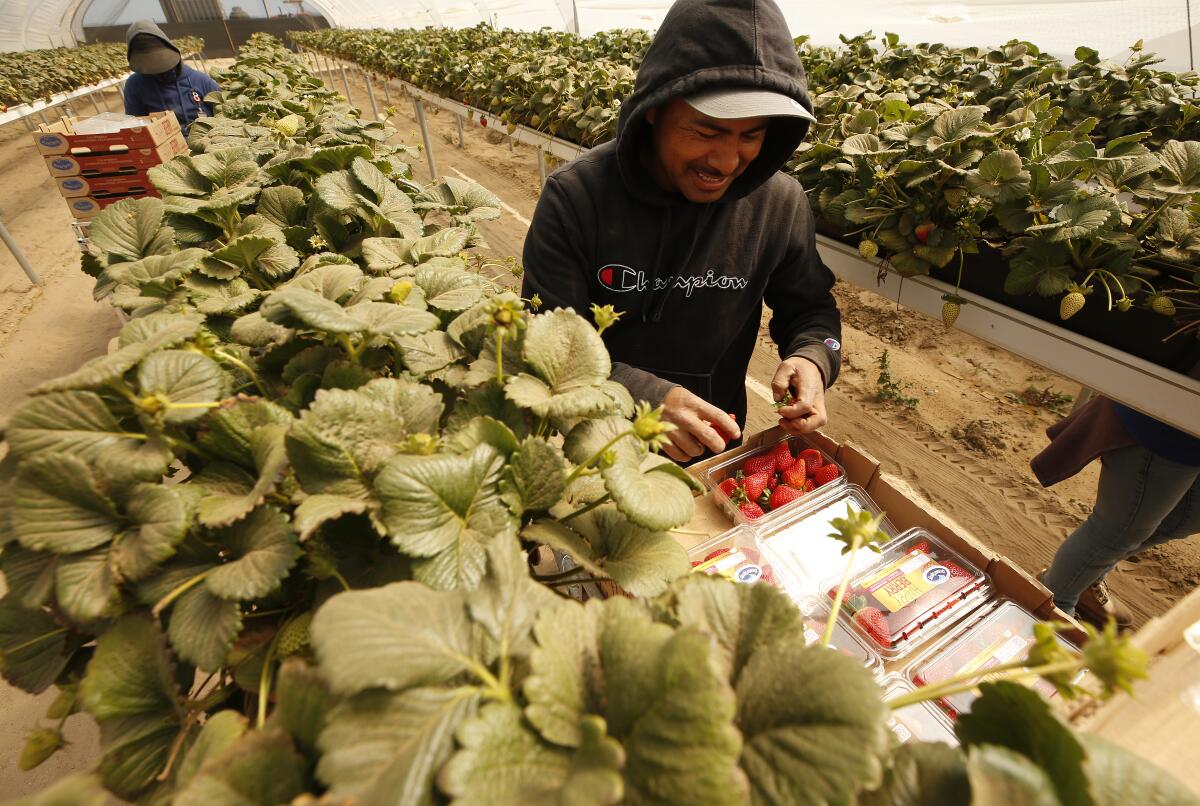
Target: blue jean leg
(1138, 491)
(1184, 520)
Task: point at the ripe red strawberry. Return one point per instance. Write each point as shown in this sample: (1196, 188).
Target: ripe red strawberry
(812, 459)
(809, 485)
(751, 510)
(785, 495)
(921, 546)
(763, 463)
(794, 476)
(781, 454)
(872, 620)
(825, 474)
(729, 486)
(755, 484)
(712, 555)
(923, 231)
(956, 570)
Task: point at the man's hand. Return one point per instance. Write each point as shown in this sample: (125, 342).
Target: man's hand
(802, 378)
(699, 425)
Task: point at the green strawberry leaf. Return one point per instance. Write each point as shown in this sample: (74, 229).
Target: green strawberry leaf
(449, 290)
(187, 380)
(344, 439)
(68, 422)
(57, 506)
(567, 361)
(383, 746)
(641, 561)
(159, 523)
(259, 767)
(229, 429)
(1012, 716)
(445, 505)
(742, 618)
(203, 628)
(130, 230)
(220, 731)
(222, 507)
(130, 689)
(502, 761)
(395, 637)
(507, 601)
(1003, 777)
(33, 647)
(921, 773)
(794, 744)
(263, 549)
(86, 587)
(535, 478)
(656, 499)
(302, 704)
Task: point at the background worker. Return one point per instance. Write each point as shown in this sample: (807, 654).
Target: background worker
(160, 80)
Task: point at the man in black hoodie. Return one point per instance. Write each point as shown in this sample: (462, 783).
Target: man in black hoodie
(685, 226)
(160, 80)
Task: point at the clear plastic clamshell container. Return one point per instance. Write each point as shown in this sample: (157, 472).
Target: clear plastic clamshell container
(735, 555)
(921, 721)
(735, 461)
(1003, 635)
(913, 591)
(843, 640)
(803, 544)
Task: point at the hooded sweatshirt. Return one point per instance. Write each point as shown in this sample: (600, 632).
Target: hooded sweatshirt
(689, 278)
(181, 90)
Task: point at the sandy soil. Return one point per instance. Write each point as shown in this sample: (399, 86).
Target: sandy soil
(964, 446)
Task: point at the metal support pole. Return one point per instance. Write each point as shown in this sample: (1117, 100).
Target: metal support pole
(370, 94)
(387, 93)
(92, 98)
(420, 110)
(346, 83)
(42, 115)
(461, 137)
(541, 158)
(19, 255)
(328, 69)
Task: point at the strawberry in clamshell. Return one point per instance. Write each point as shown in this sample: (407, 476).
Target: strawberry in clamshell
(775, 478)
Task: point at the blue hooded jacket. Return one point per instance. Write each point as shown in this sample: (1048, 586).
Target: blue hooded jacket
(181, 90)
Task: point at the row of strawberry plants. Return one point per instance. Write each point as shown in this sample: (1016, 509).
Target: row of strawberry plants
(278, 543)
(1085, 178)
(36, 75)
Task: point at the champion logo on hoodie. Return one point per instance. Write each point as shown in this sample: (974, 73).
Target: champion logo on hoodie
(619, 278)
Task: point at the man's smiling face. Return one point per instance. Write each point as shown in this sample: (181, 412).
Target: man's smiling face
(698, 155)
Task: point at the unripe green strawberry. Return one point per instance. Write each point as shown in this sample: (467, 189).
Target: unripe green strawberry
(293, 636)
(950, 310)
(1162, 305)
(1123, 304)
(39, 746)
(868, 249)
(1070, 305)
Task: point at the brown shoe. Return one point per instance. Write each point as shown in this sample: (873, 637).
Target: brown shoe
(1097, 605)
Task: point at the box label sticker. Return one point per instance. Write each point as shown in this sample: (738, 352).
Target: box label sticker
(61, 164)
(903, 582)
(50, 140)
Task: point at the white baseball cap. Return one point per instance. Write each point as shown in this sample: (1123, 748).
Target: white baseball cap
(729, 103)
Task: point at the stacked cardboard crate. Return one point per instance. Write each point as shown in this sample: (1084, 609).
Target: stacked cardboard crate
(93, 171)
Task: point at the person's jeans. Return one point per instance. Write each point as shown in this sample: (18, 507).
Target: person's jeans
(1142, 500)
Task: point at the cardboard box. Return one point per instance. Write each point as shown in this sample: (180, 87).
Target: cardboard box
(904, 509)
(1161, 722)
(60, 137)
(86, 207)
(120, 161)
(103, 186)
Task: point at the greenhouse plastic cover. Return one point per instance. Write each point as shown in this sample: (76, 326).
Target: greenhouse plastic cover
(1167, 26)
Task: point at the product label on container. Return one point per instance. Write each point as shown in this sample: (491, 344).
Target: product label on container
(1005, 648)
(899, 584)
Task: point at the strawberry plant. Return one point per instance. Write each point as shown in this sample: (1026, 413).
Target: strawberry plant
(37, 75)
(1081, 175)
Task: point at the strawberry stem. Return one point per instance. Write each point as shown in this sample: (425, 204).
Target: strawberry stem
(969, 680)
(841, 592)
